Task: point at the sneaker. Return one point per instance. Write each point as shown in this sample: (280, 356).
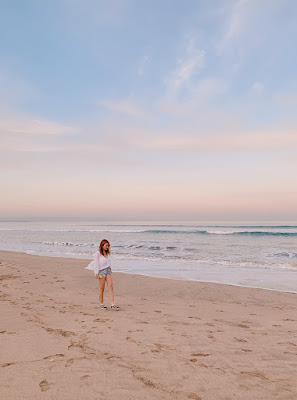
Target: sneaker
(114, 307)
(103, 307)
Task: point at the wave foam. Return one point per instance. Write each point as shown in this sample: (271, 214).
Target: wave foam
(68, 244)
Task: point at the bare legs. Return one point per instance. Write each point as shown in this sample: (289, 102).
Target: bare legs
(110, 288)
(109, 282)
(101, 291)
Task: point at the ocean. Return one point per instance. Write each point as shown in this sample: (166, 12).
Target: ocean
(257, 254)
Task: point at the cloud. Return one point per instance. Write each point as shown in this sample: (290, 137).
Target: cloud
(32, 126)
(235, 24)
(126, 107)
(200, 95)
(188, 65)
(257, 88)
(239, 141)
(35, 147)
(143, 62)
(80, 156)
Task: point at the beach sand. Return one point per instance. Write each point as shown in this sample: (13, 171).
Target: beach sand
(170, 340)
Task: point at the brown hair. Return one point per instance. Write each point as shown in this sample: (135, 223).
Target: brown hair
(101, 246)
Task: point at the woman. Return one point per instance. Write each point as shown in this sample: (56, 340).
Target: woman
(102, 271)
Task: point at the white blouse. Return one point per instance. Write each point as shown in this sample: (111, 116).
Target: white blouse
(101, 262)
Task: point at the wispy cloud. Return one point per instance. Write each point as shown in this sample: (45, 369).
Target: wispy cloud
(33, 147)
(257, 88)
(235, 24)
(200, 95)
(142, 65)
(188, 65)
(266, 140)
(127, 107)
(32, 126)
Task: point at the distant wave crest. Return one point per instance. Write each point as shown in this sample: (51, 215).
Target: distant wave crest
(67, 244)
(217, 232)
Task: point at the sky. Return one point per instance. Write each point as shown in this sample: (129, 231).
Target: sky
(140, 110)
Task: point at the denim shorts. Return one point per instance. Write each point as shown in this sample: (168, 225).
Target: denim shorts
(104, 272)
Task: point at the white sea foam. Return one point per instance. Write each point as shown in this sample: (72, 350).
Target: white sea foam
(67, 244)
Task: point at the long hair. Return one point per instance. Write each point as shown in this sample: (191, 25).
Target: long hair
(101, 246)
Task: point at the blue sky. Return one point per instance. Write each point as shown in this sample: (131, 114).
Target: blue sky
(148, 110)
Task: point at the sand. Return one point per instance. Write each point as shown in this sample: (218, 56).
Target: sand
(170, 340)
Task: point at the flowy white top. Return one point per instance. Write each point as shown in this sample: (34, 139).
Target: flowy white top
(99, 262)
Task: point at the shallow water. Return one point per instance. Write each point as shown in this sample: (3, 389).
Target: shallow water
(251, 254)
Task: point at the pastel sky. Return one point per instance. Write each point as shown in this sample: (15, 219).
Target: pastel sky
(141, 109)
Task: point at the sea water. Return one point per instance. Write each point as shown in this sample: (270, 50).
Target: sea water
(258, 254)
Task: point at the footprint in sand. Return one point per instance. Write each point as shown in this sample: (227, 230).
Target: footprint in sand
(85, 377)
(240, 340)
(44, 385)
(193, 396)
(55, 357)
(6, 365)
(243, 326)
(293, 344)
(200, 354)
(69, 362)
(254, 374)
(100, 320)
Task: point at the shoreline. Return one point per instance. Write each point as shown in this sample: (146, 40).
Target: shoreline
(172, 278)
(172, 339)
